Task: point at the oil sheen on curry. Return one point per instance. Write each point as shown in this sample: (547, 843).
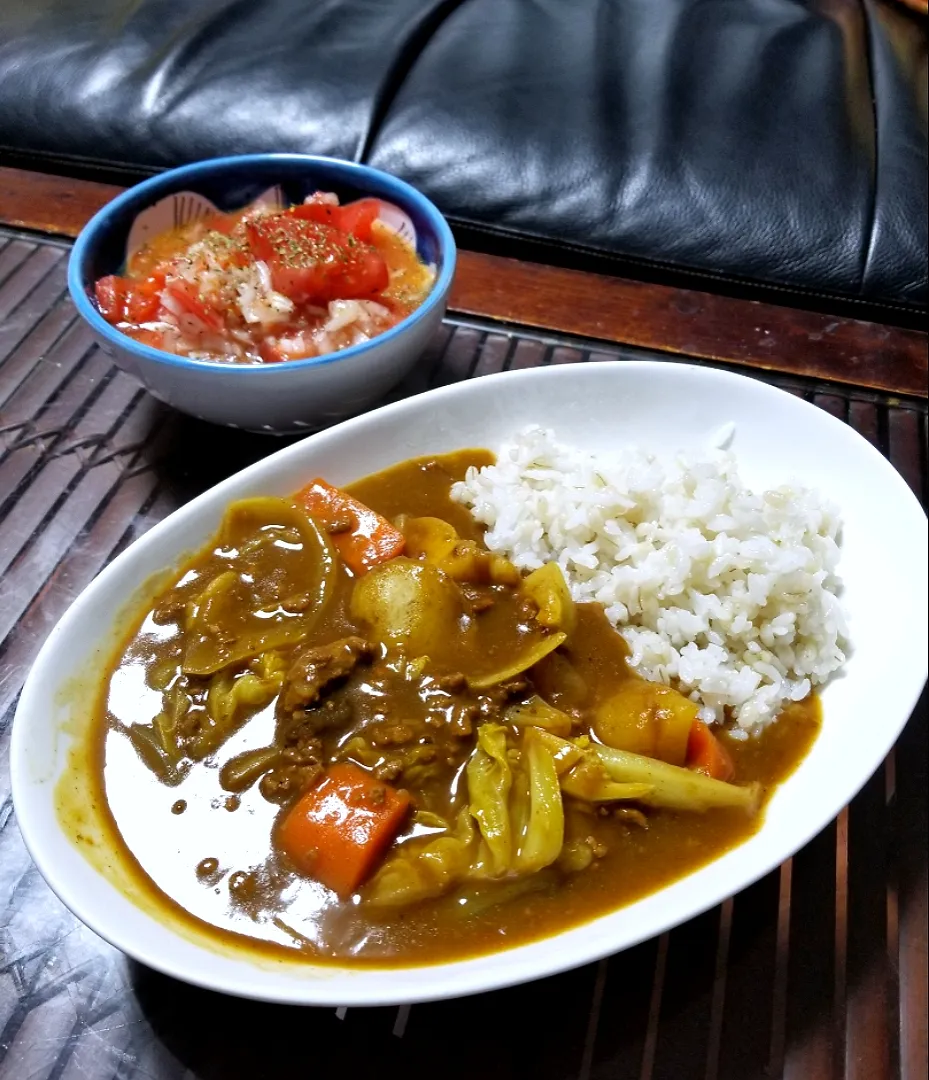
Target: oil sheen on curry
(349, 731)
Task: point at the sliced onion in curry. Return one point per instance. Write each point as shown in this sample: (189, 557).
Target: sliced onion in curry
(537, 651)
(235, 618)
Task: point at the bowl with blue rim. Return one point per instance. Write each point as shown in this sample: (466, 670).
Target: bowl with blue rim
(288, 397)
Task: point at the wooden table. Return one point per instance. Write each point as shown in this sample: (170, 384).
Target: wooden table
(817, 972)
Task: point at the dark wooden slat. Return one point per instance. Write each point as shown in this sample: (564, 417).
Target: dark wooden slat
(593, 1020)
(740, 332)
(687, 1000)
(527, 354)
(904, 440)
(13, 256)
(420, 378)
(810, 1053)
(32, 449)
(682, 321)
(562, 354)
(84, 559)
(30, 349)
(833, 404)
(650, 1047)
(494, 354)
(49, 372)
(863, 417)
(745, 1040)
(459, 357)
(912, 822)
(33, 309)
(840, 944)
(28, 276)
(868, 1032)
(624, 1011)
(560, 1004)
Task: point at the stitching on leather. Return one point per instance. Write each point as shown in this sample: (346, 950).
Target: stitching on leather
(400, 68)
(865, 257)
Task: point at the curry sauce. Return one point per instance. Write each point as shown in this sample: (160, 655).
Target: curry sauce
(197, 829)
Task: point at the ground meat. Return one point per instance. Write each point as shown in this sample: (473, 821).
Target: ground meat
(451, 683)
(304, 752)
(492, 701)
(477, 599)
(190, 724)
(391, 734)
(299, 727)
(315, 668)
(461, 724)
(389, 770)
(630, 816)
(169, 610)
(597, 846)
(284, 783)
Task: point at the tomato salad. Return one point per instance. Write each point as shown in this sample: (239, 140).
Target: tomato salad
(264, 285)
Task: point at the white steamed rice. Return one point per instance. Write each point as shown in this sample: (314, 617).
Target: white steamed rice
(728, 594)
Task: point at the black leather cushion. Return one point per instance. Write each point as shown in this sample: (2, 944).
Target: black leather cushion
(161, 82)
(737, 136)
(894, 262)
(776, 141)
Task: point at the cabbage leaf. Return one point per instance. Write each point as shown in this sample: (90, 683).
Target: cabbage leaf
(489, 781)
(424, 869)
(541, 837)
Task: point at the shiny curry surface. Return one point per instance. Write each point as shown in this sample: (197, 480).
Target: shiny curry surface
(198, 831)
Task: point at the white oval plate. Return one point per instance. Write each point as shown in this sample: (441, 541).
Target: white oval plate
(661, 406)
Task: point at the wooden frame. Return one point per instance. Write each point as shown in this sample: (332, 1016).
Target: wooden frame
(684, 322)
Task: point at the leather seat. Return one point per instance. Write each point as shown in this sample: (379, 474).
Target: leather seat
(776, 142)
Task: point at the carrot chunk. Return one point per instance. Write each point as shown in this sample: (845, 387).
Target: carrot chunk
(338, 830)
(706, 754)
(362, 537)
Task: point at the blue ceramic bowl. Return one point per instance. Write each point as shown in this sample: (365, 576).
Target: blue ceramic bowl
(298, 395)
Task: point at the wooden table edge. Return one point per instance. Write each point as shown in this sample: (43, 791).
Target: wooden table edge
(663, 318)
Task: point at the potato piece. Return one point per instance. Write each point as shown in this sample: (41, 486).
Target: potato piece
(409, 605)
(549, 590)
(647, 718)
(429, 538)
(437, 542)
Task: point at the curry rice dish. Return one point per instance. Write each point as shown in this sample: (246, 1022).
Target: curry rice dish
(351, 731)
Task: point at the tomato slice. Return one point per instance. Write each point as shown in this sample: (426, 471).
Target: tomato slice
(153, 338)
(358, 217)
(310, 260)
(188, 297)
(124, 300)
(323, 213)
(355, 218)
(110, 291)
